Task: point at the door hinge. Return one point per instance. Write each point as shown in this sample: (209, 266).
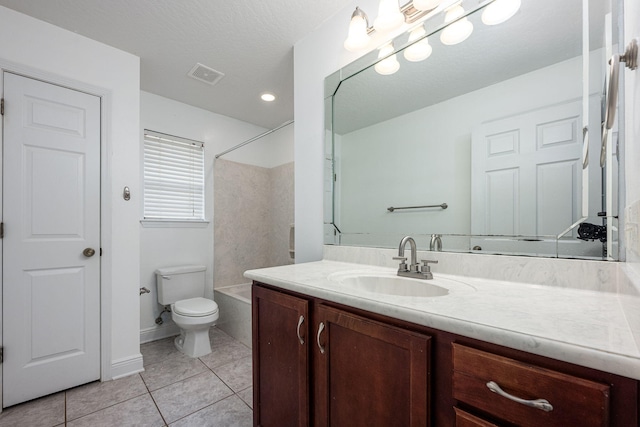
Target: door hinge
(2, 106)
(1, 354)
(1, 230)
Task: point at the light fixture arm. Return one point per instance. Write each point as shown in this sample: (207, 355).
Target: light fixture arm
(411, 15)
(361, 14)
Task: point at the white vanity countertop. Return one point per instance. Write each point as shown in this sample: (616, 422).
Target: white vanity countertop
(584, 327)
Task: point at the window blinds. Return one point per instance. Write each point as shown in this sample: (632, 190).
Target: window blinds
(173, 178)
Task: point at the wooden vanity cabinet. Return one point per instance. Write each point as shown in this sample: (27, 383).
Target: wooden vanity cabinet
(280, 359)
(341, 366)
(367, 373)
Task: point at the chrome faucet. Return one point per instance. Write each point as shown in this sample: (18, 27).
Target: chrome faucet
(436, 243)
(413, 269)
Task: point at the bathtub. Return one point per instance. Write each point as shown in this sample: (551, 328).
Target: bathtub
(234, 303)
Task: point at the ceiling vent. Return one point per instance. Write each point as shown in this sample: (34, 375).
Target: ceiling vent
(205, 74)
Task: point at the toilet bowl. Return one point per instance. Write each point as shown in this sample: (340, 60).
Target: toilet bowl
(182, 288)
(194, 317)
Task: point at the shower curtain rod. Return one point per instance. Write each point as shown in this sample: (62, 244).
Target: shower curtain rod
(242, 144)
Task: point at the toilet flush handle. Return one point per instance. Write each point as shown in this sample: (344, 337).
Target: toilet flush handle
(166, 277)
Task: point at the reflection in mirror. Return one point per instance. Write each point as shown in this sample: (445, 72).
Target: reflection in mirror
(504, 128)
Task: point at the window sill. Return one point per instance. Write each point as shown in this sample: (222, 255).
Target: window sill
(163, 223)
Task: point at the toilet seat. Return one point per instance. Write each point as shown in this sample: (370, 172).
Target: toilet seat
(195, 307)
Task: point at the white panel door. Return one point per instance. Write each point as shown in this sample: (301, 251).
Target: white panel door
(526, 172)
(51, 199)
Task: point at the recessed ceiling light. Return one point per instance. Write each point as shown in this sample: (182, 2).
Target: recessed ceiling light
(268, 97)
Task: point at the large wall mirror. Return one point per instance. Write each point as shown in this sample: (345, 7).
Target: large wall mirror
(491, 145)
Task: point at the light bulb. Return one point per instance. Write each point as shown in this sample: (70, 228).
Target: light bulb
(500, 11)
(458, 31)
(358, 38)
(426, 4)
(268, 97)
(389, 16)
(388, 65)
(419, 50)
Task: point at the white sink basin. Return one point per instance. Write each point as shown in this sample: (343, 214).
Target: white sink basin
(391, 284)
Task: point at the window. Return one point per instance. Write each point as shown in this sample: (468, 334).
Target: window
(173, 178)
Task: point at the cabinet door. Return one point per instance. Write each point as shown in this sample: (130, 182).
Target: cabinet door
(280, 359)
(368, 373)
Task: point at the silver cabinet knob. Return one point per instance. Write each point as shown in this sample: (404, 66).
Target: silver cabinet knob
(89, 252)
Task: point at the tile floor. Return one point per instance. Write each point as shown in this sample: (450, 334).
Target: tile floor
(174, 390)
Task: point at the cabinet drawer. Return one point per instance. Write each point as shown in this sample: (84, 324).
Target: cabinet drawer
(574, 401)
(465, 419)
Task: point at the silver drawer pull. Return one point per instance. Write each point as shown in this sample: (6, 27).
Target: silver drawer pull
(300, 322)
(320, 329)
(542, 404)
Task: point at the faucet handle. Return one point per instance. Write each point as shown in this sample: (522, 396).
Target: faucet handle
(426, 262)
(403, 263)
(426, 268)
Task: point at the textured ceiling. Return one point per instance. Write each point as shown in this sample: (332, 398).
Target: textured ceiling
(250, 41)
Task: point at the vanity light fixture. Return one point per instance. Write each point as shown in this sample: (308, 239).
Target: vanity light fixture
(418, 51)
(458, 31)
(426, 4)
(389, 16)
(268, 97)
(390, 64)
(500, 11)
(358, 38)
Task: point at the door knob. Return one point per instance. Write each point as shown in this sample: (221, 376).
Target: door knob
(89, 252)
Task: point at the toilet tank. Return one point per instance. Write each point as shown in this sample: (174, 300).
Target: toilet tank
(181, 282)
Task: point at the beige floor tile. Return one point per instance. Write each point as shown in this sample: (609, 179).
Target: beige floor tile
(171, 370)
(44, 412)
(158, 351)
(183, 388)
(227, 352)
(95, 396)
(178, 400)
(219, 337)
(139, 412)
(230, 412)
(247, 396)
(237, 374)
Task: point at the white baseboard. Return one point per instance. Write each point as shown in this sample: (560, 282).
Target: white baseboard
(126, 366)
(158, 332)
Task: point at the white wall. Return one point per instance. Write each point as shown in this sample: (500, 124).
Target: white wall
(35, 47)
(164, 247)
(315, 57)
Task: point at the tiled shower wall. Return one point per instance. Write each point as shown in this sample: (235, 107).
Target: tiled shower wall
(252, 215)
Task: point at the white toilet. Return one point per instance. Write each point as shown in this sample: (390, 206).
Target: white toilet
(183, 288)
